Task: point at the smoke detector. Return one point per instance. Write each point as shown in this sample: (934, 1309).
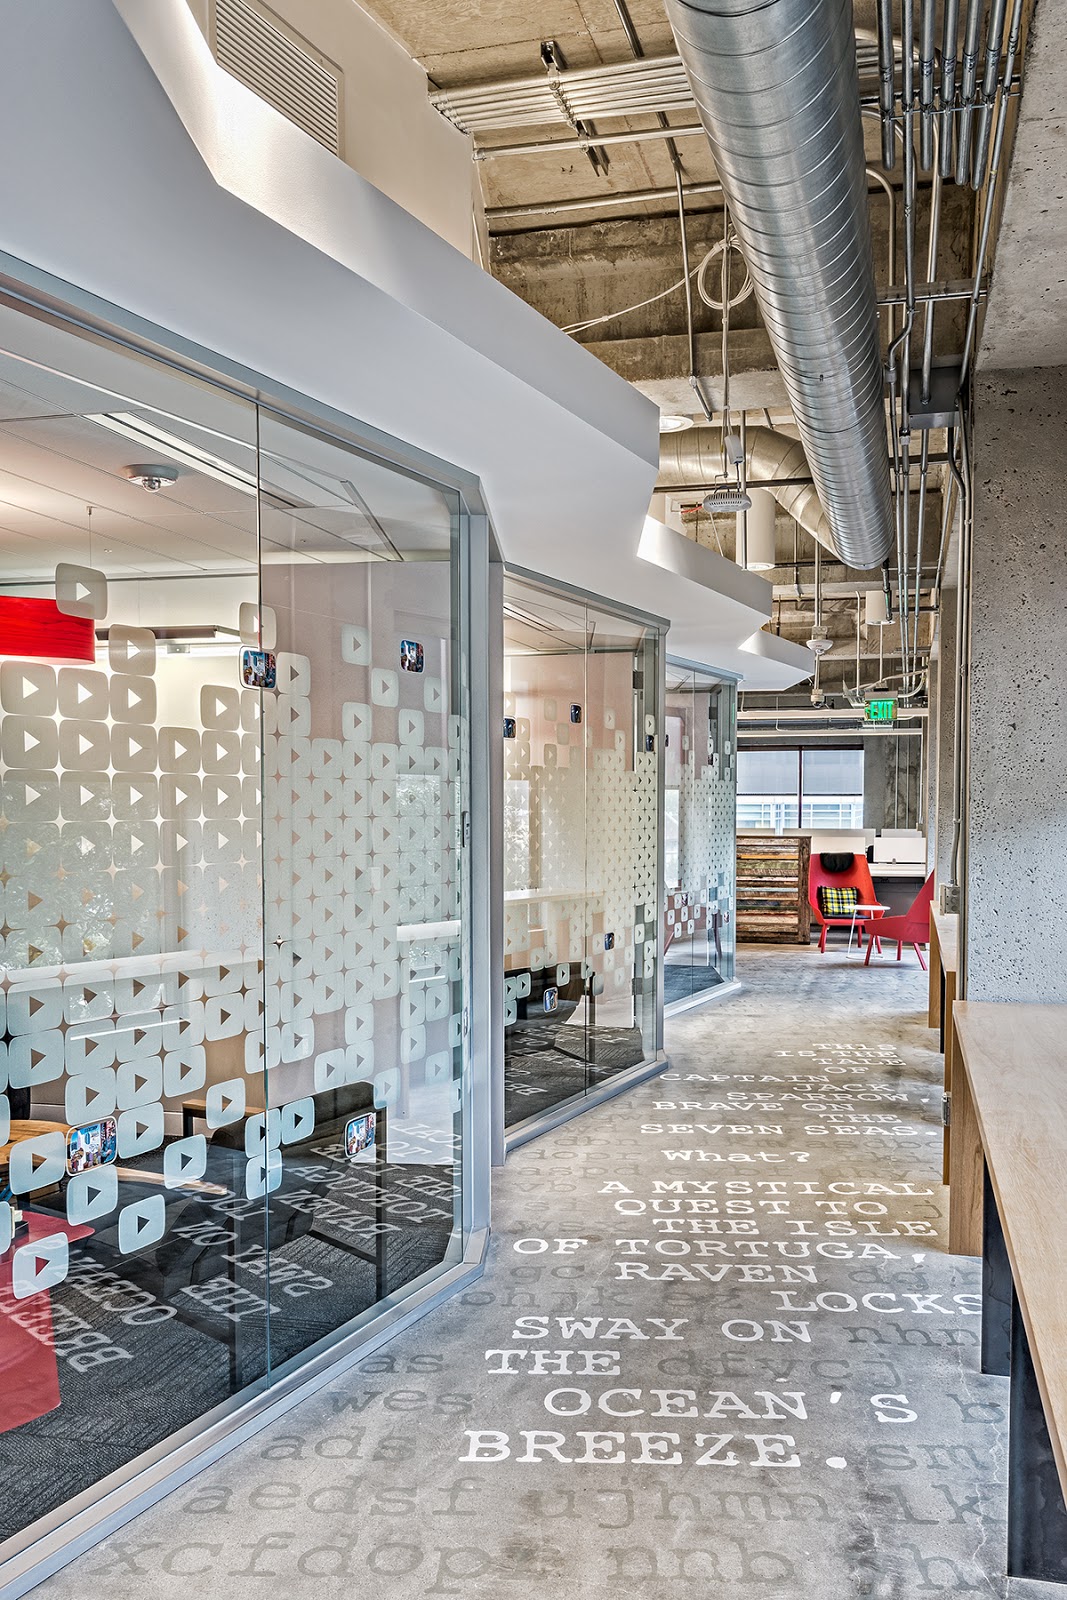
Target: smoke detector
(735, 450)
(151, 476)
(820, 641)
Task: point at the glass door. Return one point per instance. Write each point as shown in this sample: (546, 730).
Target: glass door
(582, 749)
(700, 833)
(545, 889)
(623, 752)
(361, 638)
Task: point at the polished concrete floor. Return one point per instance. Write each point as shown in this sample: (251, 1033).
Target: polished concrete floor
(719, 1349)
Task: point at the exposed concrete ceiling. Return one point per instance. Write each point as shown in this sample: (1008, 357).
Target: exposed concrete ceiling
(588, 232)
(580, 264)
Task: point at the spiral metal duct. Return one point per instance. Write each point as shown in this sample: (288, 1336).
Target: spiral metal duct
(776, 88)
(695, 457)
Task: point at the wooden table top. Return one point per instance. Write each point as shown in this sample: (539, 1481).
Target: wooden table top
(947, 924)
(1015, 1057)
(27, 1128)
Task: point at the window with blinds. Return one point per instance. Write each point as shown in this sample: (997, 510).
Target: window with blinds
(272, 60)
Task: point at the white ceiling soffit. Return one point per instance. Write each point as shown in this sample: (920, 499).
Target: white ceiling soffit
(226, 224)
(715, 604)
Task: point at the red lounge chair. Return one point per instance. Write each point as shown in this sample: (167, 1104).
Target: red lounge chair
(858, 877)
(913, 927)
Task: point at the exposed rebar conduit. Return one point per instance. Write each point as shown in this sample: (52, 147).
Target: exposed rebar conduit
(696, 457)
(778, 94)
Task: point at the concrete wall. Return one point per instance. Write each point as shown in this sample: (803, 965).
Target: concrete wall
(1016, 879)
(392, 135)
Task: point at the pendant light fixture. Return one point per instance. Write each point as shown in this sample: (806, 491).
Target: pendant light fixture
(759, 551)
(35, 628)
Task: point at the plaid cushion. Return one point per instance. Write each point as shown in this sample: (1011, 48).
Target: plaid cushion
(838, 902)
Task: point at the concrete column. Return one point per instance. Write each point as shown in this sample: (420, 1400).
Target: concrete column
(944, 711)
(903, 771)
(875, 768)
(1016, 879)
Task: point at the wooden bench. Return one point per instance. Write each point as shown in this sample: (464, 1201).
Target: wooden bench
(1008, 1201)
(944, 965)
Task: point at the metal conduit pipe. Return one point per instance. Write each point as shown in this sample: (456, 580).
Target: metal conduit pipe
(696, 457)
(778, 94)
(926, 84)
(998, 12)
(968, 80)
(947, 94)
(886, 82)
(991, 187)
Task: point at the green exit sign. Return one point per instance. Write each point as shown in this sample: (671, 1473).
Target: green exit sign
(880, 711)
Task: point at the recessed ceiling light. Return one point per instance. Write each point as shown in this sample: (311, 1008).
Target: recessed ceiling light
(669, 423)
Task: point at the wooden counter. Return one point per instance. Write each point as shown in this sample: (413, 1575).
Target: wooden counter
(1009, 1128)
(944, 967)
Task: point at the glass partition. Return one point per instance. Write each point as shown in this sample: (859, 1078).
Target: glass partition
(365, 757)
(234, 969)
(699, 937)
(581, 780)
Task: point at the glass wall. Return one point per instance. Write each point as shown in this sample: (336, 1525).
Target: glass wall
(234, 818)
(582, 752)
(699, 834)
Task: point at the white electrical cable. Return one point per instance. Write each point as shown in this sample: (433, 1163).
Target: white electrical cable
(722, 248)
(593, 322)
(697, 273)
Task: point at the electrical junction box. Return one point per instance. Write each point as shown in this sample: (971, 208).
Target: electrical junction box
(942, 408)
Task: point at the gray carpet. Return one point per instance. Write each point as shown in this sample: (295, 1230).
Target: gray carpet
(545, 1065)
(155, 1376)
(683, 979)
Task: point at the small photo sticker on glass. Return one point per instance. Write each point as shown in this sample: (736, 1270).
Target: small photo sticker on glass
(650, 743)
(551, 998)
(360, 1133)
(609, 941)
(509, 727)
(576, 713)
(259, 669)
(412, 656)
(95, 1145)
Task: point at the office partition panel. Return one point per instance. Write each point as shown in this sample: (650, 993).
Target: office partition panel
(237, 828)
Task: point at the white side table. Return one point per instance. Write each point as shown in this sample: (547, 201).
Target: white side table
(866, 911)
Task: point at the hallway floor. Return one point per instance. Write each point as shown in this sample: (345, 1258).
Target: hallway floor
(749, 1366)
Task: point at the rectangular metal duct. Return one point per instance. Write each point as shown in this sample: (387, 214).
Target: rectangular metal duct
(283, 68)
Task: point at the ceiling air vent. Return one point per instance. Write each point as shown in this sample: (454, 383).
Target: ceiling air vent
(269, 58)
